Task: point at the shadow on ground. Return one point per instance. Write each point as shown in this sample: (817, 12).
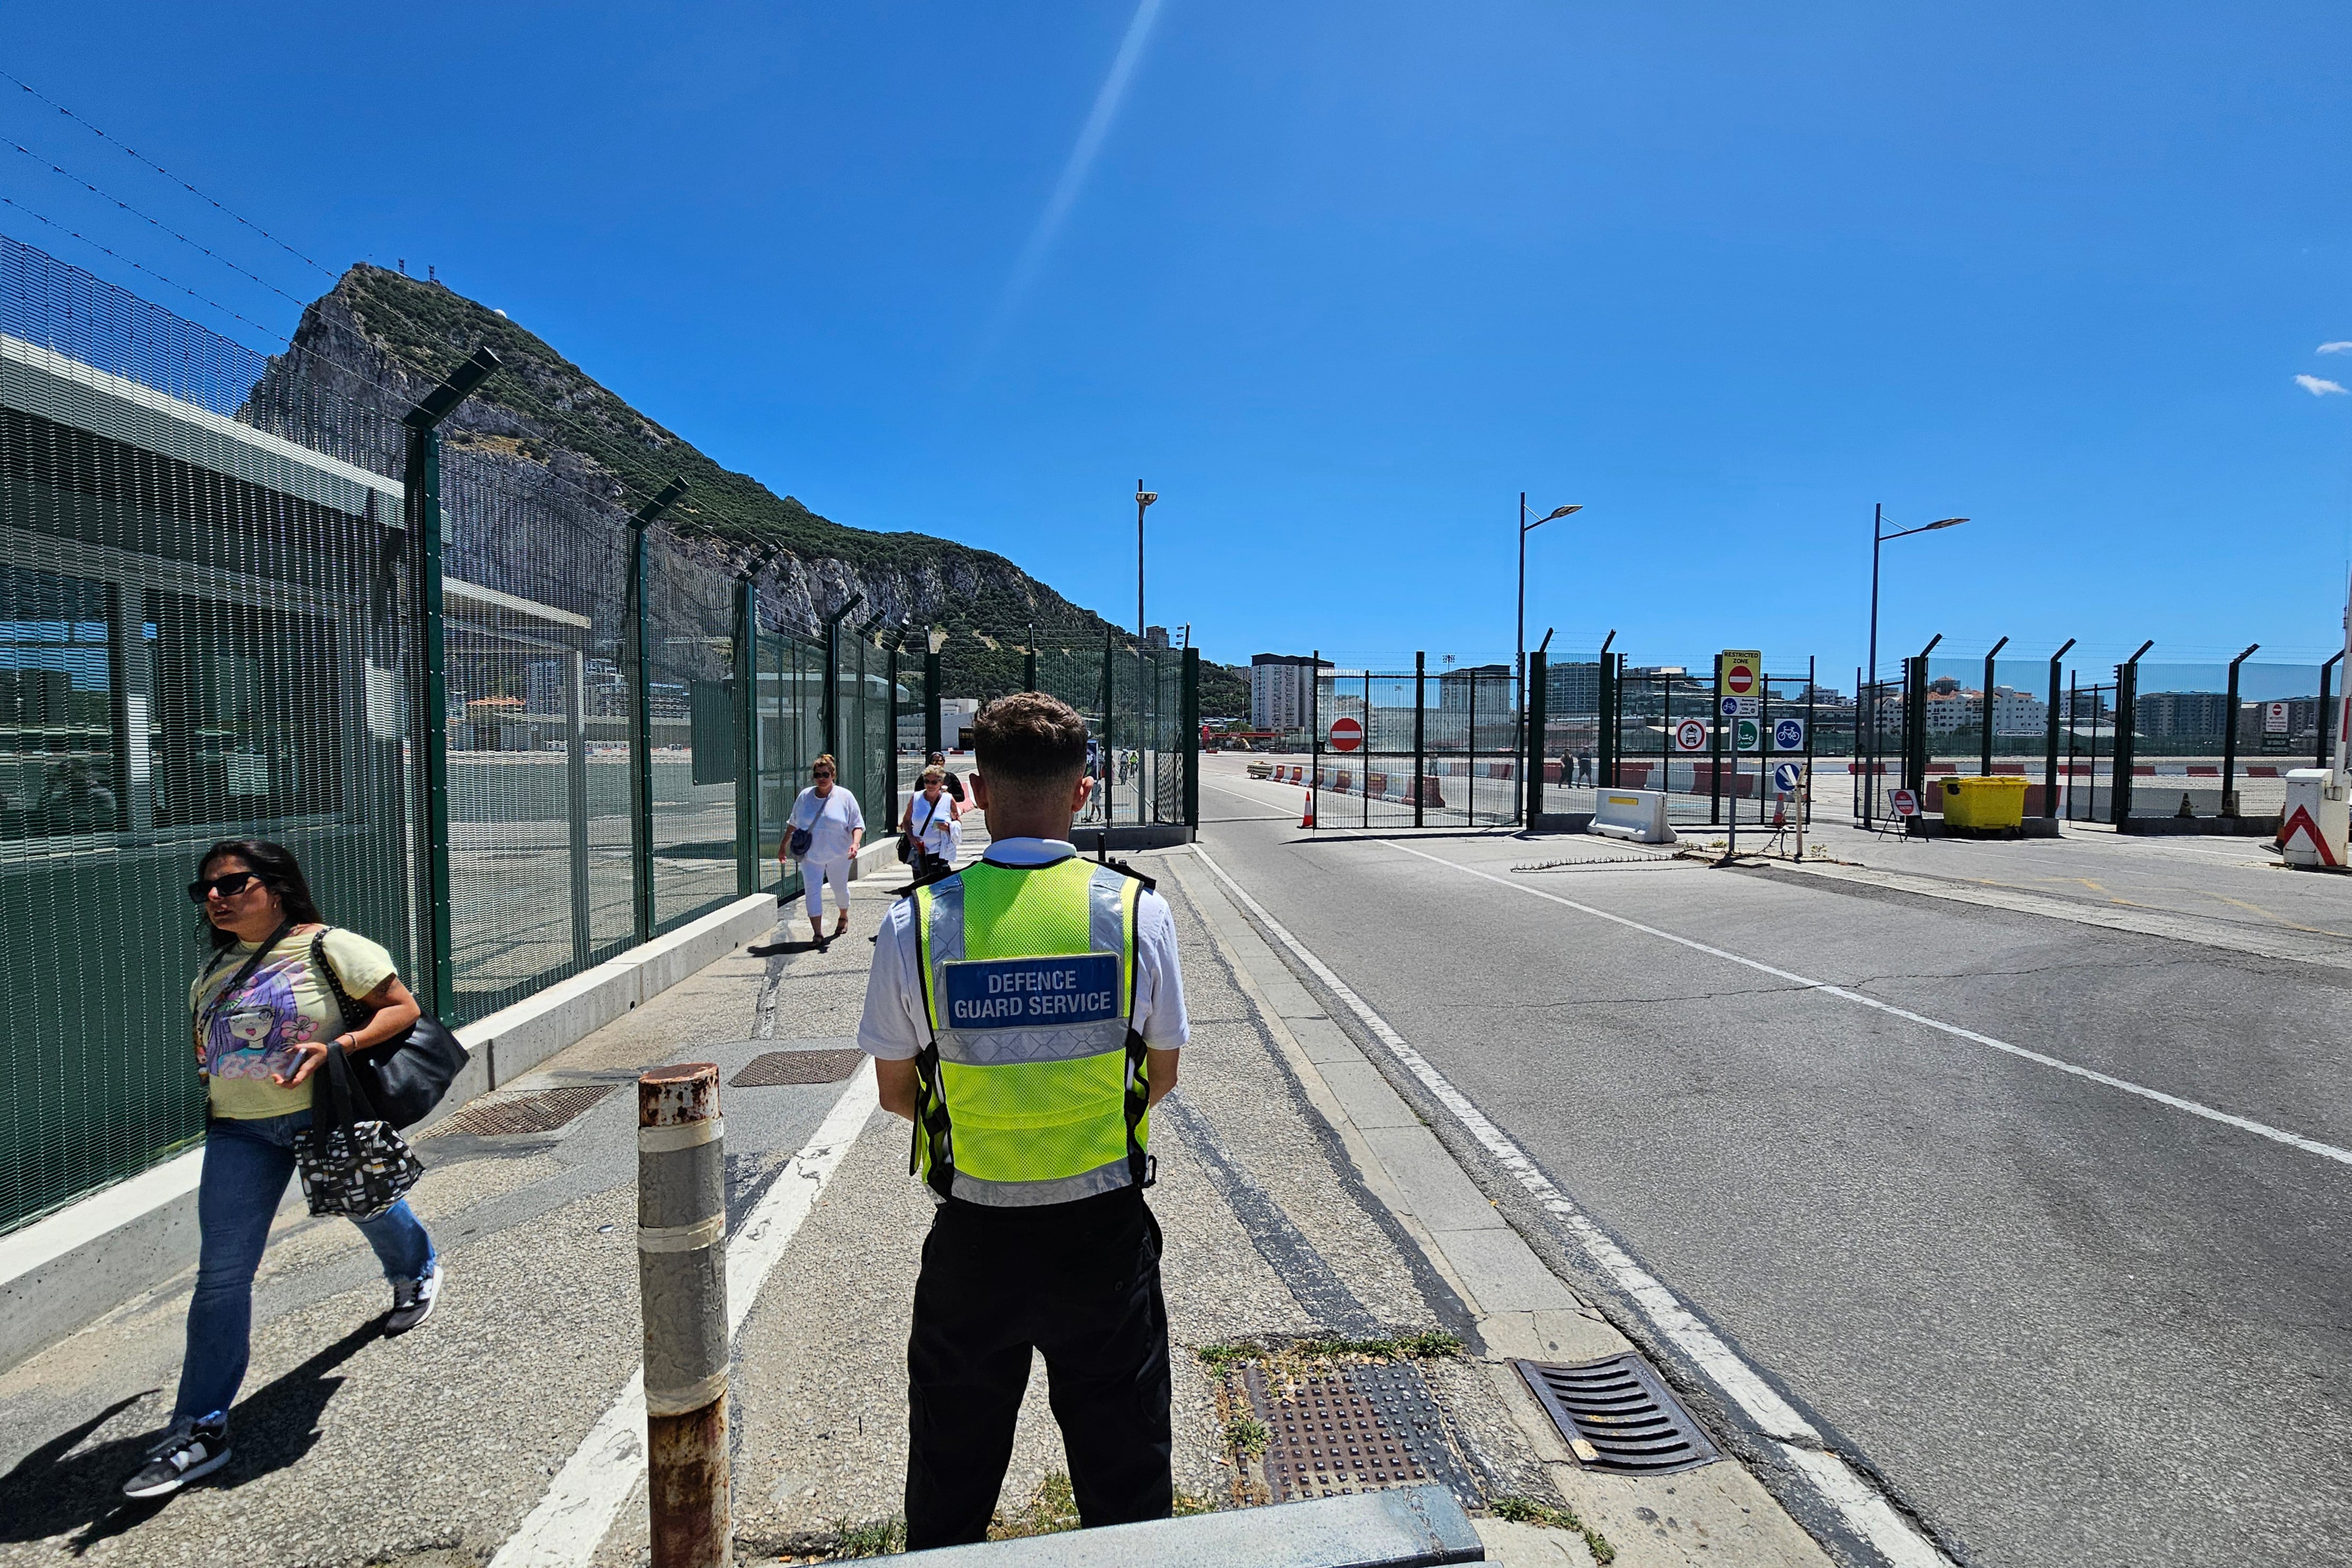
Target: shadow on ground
(55, 1490)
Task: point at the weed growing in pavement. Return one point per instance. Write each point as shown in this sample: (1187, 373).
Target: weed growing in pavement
(1053, 1509)
(876, 1538)
(1527, 1511)
(1246, 1436)
(1221, 1358)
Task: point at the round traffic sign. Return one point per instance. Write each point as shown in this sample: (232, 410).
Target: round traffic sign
(1738, 680)
(1789, 734)
(1347, 734)
(1690, 735)
(1784, 777)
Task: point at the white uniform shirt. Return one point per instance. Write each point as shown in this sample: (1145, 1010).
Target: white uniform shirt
(830, 821)
(894, 1028)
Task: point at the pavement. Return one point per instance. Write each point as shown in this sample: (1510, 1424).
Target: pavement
(2016, 1170)
(1301, 1196)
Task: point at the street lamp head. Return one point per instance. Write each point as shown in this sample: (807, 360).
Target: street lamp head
(1563, 511)
(1944, 523)
(1145, 497)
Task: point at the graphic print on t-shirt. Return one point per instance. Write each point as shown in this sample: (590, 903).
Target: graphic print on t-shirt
(253, 1034)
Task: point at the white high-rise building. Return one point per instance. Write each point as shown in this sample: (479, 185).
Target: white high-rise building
(1281, 694)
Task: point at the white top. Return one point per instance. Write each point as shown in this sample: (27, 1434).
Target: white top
(830, 819)
(895, 1029)
(933, 823)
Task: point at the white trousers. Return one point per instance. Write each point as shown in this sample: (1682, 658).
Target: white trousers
(814, 875)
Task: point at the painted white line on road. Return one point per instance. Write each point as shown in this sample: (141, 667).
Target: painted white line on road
(565, 1529)
(1866, 1512)
(2228, 1119)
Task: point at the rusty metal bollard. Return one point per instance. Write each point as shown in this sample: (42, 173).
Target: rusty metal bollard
(682, 1292)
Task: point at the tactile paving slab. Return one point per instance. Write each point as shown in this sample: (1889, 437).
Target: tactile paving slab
(776, 1068)
(1352, 1428)
(542, 1111)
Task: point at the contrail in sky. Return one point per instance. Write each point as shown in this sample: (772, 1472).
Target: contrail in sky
(1074, 173)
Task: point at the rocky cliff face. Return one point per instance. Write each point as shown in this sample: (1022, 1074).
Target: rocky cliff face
(378, 328)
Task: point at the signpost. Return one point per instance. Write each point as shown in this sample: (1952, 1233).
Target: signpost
(1690, 735)
(1738, 694)
(2277, 718)
(1347, 734)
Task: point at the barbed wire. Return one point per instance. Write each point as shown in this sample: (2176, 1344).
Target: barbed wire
(175, 179)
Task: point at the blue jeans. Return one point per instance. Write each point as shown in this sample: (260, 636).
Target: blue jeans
(246, 1167)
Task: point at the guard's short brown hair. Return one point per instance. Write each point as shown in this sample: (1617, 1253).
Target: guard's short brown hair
(1029, 742)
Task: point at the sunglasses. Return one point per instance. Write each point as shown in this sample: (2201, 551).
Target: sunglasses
(823, 773)
(227, 886)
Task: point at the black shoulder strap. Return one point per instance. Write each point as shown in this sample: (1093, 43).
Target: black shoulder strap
(321, 966)
(933, 1125)
(237, 982)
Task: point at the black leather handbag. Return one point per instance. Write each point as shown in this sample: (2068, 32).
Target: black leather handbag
(405, 1077)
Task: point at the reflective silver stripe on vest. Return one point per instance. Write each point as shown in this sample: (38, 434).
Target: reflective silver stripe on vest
(1105, 933)
(1033, 1194)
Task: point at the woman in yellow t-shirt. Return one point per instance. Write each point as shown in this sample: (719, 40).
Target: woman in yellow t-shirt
(262, 1018)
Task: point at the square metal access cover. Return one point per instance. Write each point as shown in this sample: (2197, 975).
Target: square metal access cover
(542, 1111)
(1618, 1415)
(1349, 1429)
(776, 1068)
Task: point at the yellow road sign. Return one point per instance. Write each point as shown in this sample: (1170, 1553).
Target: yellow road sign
(1741, 673)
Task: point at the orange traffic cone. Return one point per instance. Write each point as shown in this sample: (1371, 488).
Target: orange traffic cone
(1306, 812)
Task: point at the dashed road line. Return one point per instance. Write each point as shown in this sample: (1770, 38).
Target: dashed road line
(1870, 1515)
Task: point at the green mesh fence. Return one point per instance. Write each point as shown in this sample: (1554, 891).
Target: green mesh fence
(204, 635)
(697, 732)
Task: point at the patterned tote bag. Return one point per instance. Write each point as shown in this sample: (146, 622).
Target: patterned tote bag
(352, 1161)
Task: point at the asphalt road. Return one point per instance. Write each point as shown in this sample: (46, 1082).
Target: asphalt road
(2067, 1323)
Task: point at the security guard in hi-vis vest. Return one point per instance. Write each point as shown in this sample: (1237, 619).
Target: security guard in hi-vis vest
(1026, 1013)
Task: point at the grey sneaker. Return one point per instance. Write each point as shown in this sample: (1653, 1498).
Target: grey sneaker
(191, 1448)
(412, 1301)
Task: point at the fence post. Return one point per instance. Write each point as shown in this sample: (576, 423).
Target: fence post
(2326, 709)
(747, 781)
(2050, 763)
(1314, 734)
(421, 498)
(1984, 715)
(1811, 676)
(1534, 704)
(682, 1286)
(1420, 729)
(2127, 748)
(641, 709)
(930, 703)
(2230, 738)
(1604, 727)
(892, 750)
(1914, 722)
(1190, 715)
(1715, 731)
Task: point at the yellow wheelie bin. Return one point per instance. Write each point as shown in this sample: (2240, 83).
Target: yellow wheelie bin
(1984, 803)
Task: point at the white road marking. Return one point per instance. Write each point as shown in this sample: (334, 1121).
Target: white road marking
(573, 1518)
(1867, 1513)
(2228, 1119)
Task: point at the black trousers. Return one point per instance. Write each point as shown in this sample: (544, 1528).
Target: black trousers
(1079, 1283)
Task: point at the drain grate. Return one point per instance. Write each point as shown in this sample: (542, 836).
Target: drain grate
(1352, 1430)
(780, 1067)
(1618, 1415)
(542, 1111)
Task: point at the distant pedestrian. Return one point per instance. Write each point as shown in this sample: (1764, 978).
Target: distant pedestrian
(1024, 1013)
(828, 814)
(261, 1017)
(933, 819)
(953, 785)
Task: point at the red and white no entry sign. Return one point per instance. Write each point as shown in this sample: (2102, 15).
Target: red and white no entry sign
(1741, 679)
(1347, 734)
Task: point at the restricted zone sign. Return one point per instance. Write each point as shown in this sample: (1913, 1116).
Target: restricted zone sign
(1347, 734)
(1743, 673)
(1690, 735)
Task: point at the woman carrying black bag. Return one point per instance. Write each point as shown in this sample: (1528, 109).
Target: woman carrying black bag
(264, 1010)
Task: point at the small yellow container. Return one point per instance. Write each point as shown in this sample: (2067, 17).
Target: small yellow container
(1985, 802)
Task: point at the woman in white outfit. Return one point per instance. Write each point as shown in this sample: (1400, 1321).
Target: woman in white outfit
(829, 815)
(934, 820)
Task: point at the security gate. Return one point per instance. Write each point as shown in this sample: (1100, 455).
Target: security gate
(1424, 747)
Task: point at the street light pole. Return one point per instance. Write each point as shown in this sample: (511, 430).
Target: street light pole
(1879, 536)
(1519, 644)
(1143, 498)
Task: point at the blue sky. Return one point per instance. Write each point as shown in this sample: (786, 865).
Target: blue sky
(1340, 280)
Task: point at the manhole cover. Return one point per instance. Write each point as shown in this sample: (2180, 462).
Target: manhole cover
(1618, 1415)
(542, 1111)
(780, 1067)
(1352, 1429)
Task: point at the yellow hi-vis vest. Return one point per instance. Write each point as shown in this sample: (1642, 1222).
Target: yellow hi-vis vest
(1033, 1089)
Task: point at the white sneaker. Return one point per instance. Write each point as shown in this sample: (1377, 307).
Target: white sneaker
(190, 1450)
(412, 1301)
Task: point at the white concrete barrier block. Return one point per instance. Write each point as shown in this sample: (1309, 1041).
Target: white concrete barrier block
(1639, 815)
